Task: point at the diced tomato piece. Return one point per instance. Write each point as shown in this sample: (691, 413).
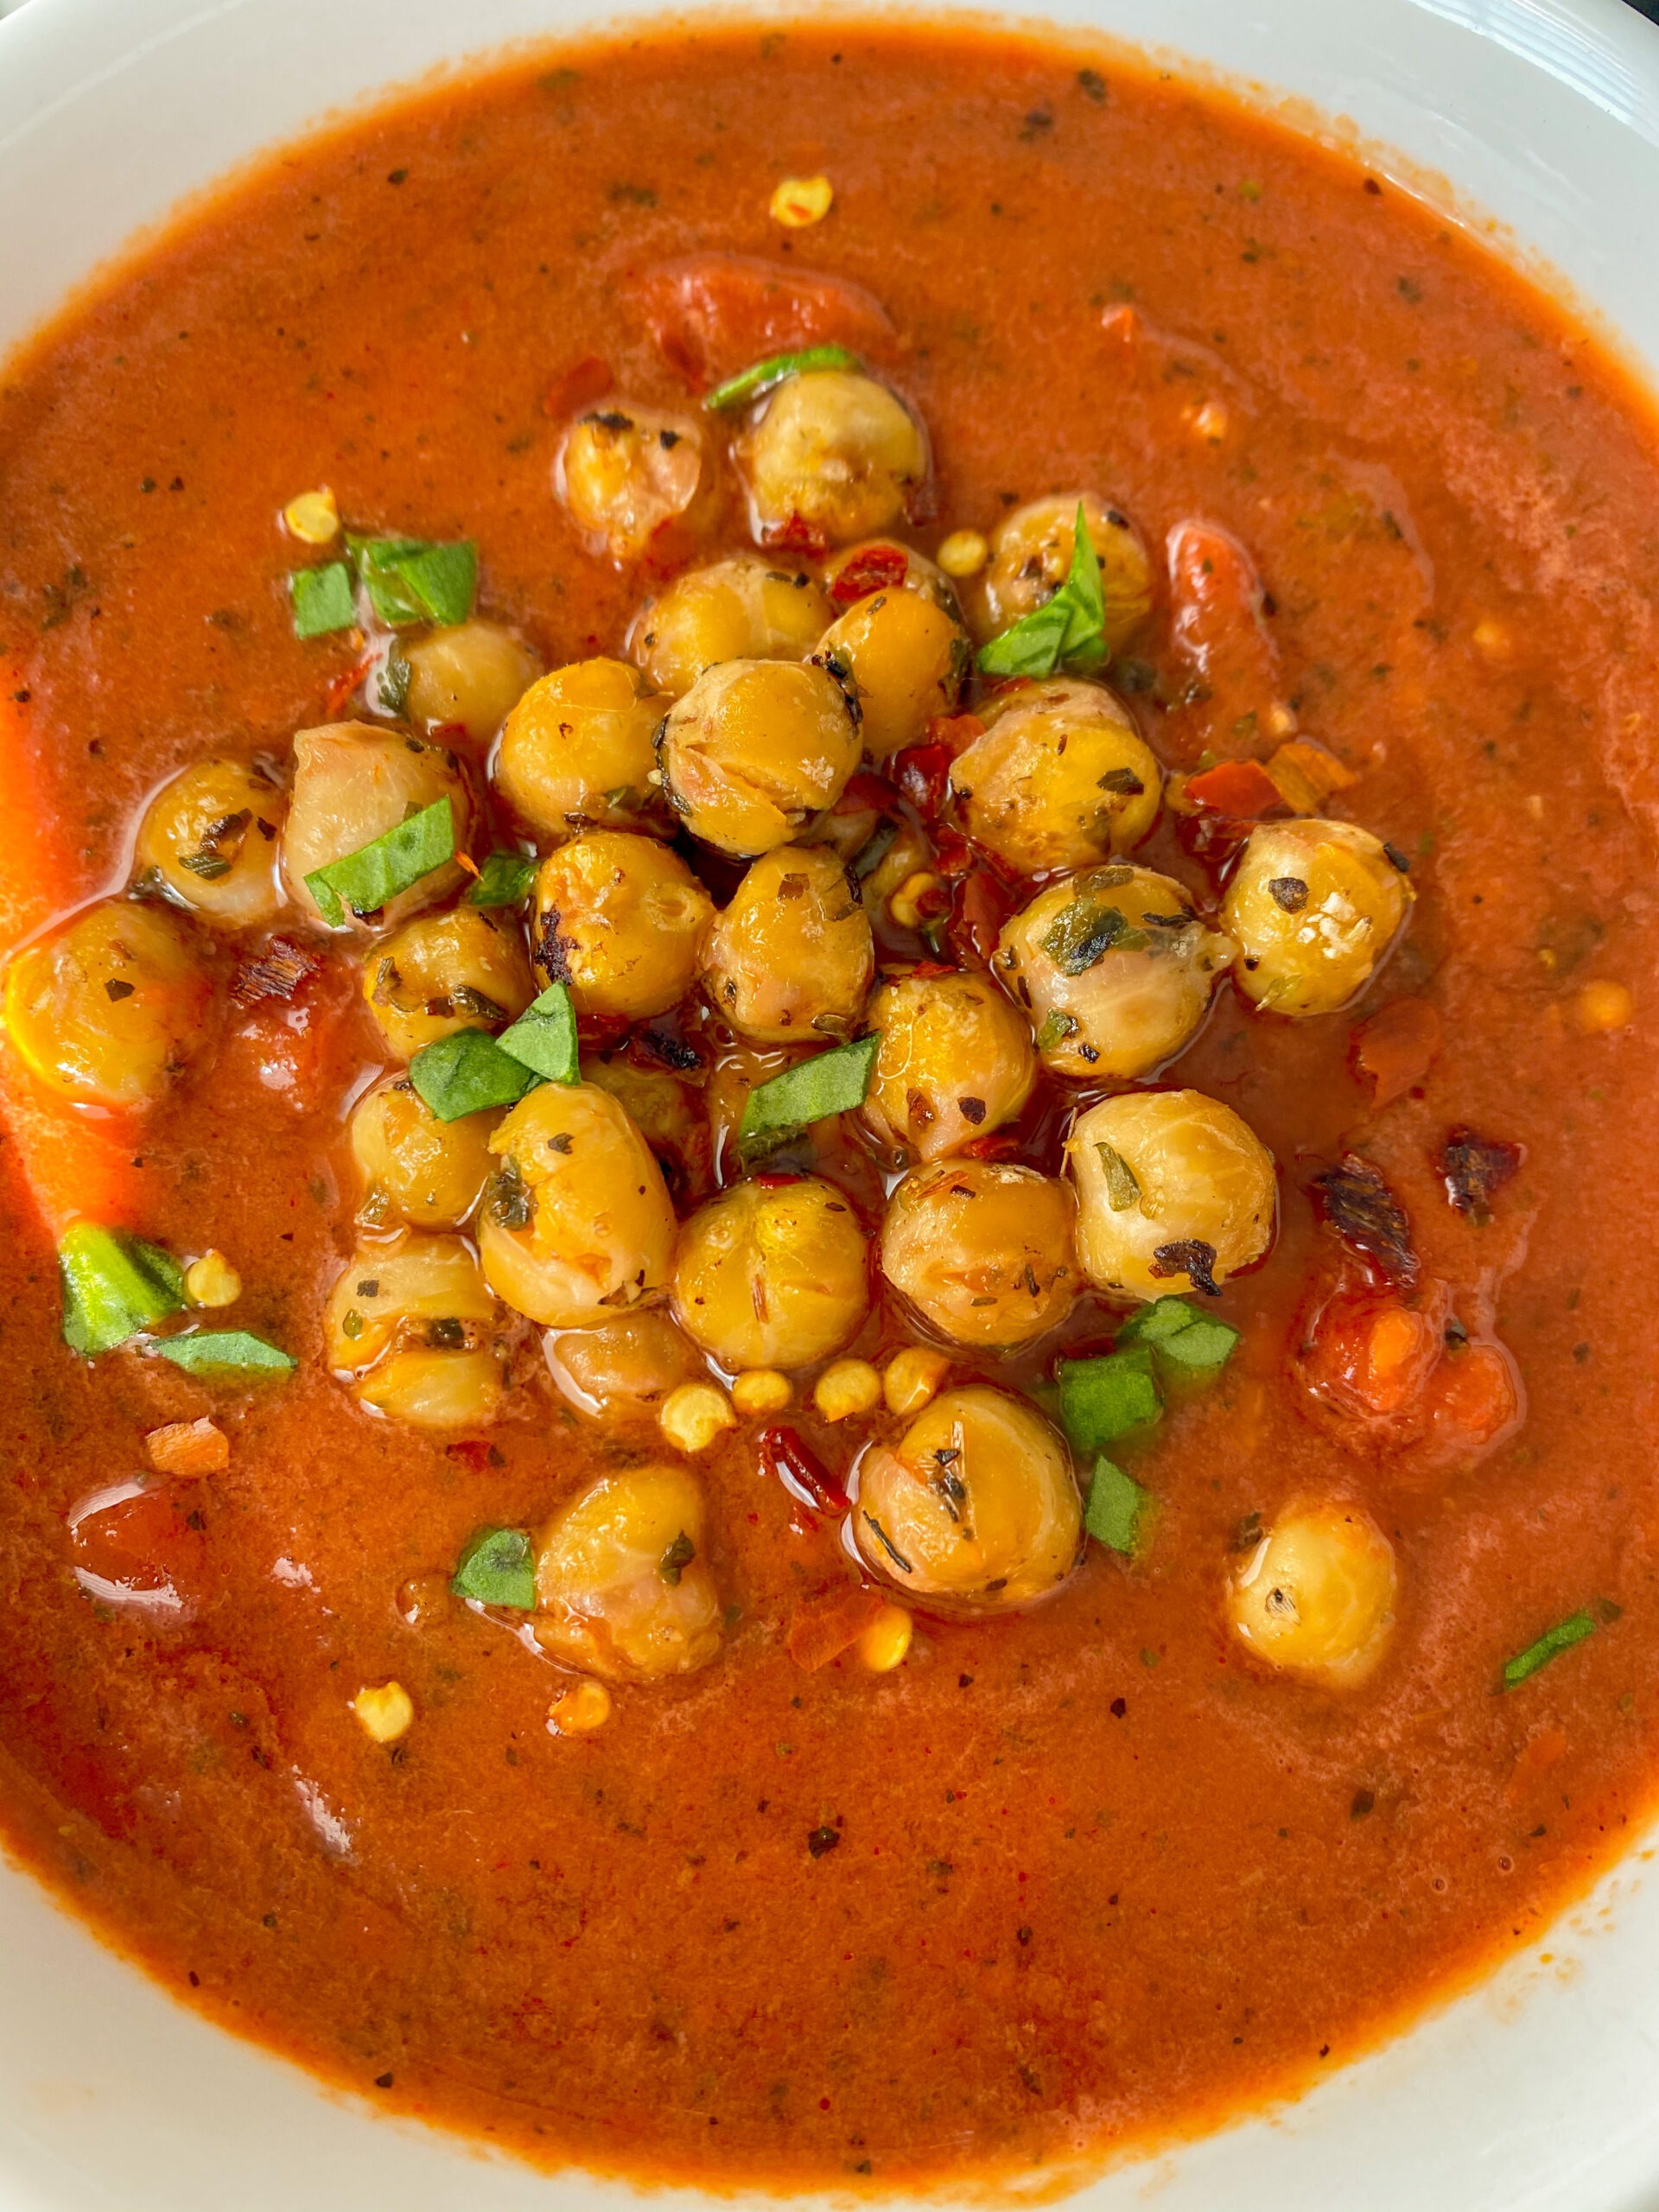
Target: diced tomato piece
(878, 567)
(825, 1625)
(1242, 788)
(136, 1538)
(1474, 1400)
(866, 794)
(578, 387)
(1396, 1047)
(714, 314)
(1369, 1354)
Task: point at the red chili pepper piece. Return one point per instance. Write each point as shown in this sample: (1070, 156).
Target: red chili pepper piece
(979, 905)
(343, 686)
(921, 772)
(1241, 787)
(801, 1471)
(878, 567)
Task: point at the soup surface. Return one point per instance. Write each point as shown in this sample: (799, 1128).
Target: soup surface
(468, 1673)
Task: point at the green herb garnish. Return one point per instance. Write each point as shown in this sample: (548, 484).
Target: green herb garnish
(1122, 1188)
(504, 880)
(368, 878)
(223, 1351)
(754, 383)
(467, 1072)
(322, 600)
(1116, 1503)
(498, 1568)
(1068, 630)
(1562, 1638)
(1104, 1398)
(1086, 932)
(832, 1083)
(1057, 1027)
(114, 1285)
(1181, 1333)
(414, 580)
(544, 1039)
(675, 1561)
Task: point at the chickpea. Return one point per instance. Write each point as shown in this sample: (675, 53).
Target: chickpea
(621, 920)
(417, 1324)
(920, 574)
(1114, 968)
(576, 1221)
(209, 838)
(621, 1579)
(415, 1167)
(351, 783)
(626, 471)
(1031, 557)
(773, 1275)
(1312, 906)
(755, 749)
(955, 1061)
(579, 752)
(1174, 1192)
(975, 1506)
(471, 676)
(908, 660)
(1060, 778)
(834, 451)
(792, 956)
(1317, 1595)
(985, 1252)
(444, 972)
(744, 609)
(110, 1008)
(632, 1361)
(667, 1113)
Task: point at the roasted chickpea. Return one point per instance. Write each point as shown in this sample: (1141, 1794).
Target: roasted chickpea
(110, 1008)
(623, 1587)
(579, 752)
(1114, 968)
(416, 1322)
(1317, 1595)
(624, 472)
(1174, 1192)
(955, 1062)
(444, 972)
(630, 1362)
(471, 676)
(415, 1167)
(576, 1221)
(755, 749)
(351, 783)
(668, 1113)
(792, 954)
(621, 920)
(976, 1507)
(1060, 778)
(857, 570)
(985, 1252)
(745, 609)
(907, 660)
(834, 451)
(771, 1274)
(1031, 558)
(209, 838)
(1312, 906)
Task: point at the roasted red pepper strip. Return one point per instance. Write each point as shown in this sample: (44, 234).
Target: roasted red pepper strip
(1241, 787)
(799, 1469)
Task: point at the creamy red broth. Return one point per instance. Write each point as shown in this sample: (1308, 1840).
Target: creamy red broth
(1096, 1872)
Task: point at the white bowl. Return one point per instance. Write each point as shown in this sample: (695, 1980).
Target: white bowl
(1539, 2092)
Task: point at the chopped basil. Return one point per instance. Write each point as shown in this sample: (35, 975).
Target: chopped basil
(1116, 1503)
(223, 1351)
(754, 383)
(675, 1561)
(391, 680)
(366, 879)
(875, 847)
(467, 1072)
(504, 880)
(1068, 630)
(1085, 931)
(1123, 1190)
(322, 600)
(831, 1083)
(544, 1039)
(1562, 1638)
(497, 1567)
(114, 1285)
(413, 580)
(1057, 1027)
(1181, 1333)
(1104, 1398)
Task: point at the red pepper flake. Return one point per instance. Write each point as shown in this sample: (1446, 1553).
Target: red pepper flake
(803, 1474)
(579, 386)
(1365, 1212)
(1237, 787)
(798, 536)
(1473, 1168)
(878, 567)
(276, 973)
(343, 686)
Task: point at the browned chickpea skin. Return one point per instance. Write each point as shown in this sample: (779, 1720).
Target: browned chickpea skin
(209, 839)
(621, 920)
(625, 472)
(833, 451)
(462, 969)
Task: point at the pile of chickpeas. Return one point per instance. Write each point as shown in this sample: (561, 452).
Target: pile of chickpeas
(717, 747)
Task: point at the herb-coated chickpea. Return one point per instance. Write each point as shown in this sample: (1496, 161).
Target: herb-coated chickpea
(471, 676)
(908, 660)
(1114, 968)
(955, 1061)
(624, 472)
(1031, 557)
(1174, 1192)
(110, 1008)
(440, 973)
(1060, 778)
(351, 783)
(1317, 1595)
(984, 1250)
(744, 609)
(415, 1167)
(834, 451)
(1312, 906)
(792, 956)
(210, 837)
(576, 1222)
(755, 749)
(668, 1113)
(975, 1508)
(417, 1324)
(773, 1275)
(621, 920)
(579, 752)
(622, 1587)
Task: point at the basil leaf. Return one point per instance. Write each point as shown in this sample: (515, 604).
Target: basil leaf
(322, 600)
(831, 1083)
(467, 1072)
(504, 880)
(114, 1285)
(1155, 1324)
(1102, 1399)
(544, 1039)
(498, 1569)
(1116, 1503)
(1181, 1333)
(754, 383)
(1122, 1189)
(373, 875)
(1562, 1638)
(1068, 630)
(1086, 932)
(223, 1351)
(414, 580)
